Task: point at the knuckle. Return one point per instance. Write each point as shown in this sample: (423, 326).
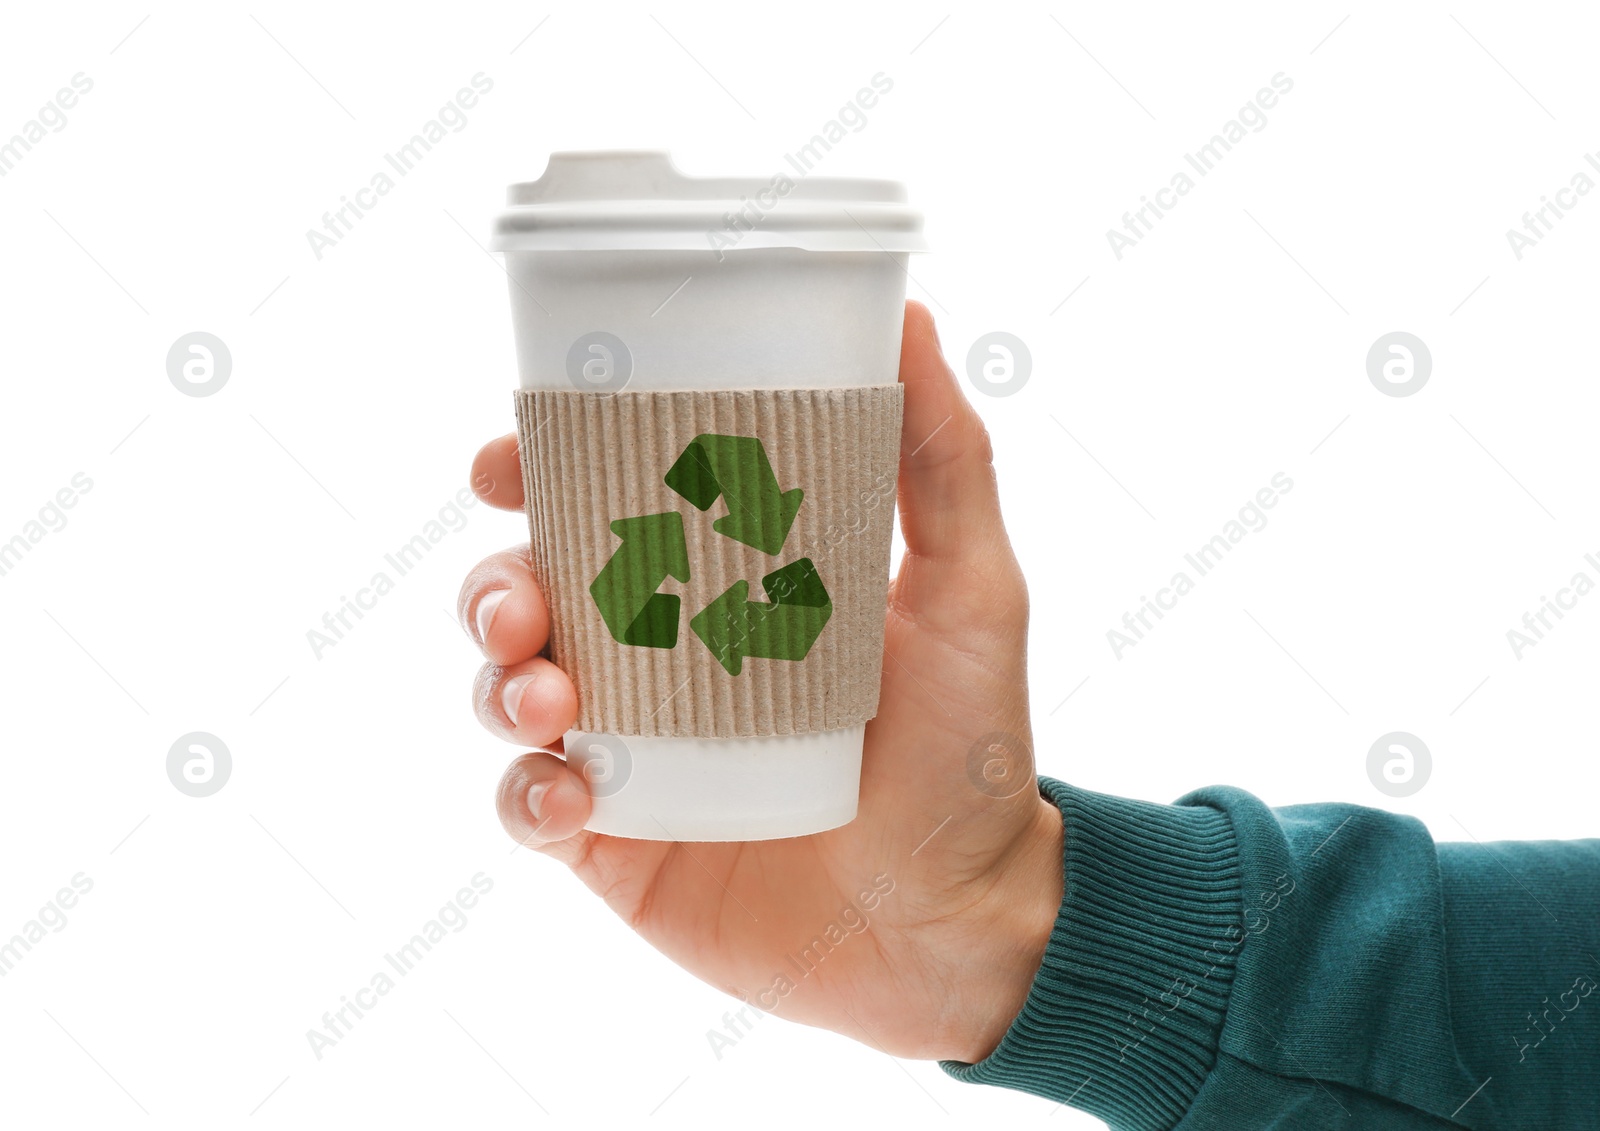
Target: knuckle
(484, 688)
(1014, 598)
(981, 443)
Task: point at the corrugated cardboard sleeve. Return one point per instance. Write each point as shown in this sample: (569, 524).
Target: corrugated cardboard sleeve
(589, 459)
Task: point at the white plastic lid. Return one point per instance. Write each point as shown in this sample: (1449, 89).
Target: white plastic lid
(638, 200)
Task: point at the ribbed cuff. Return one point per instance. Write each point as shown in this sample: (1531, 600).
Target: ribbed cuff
(1124, 1014)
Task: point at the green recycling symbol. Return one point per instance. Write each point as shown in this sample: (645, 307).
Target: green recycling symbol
(760, 513)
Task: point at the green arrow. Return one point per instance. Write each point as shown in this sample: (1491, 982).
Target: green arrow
(759, 513)
(734, 627)
(652, 550)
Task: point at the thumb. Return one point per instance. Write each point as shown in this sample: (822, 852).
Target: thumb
(948, 498)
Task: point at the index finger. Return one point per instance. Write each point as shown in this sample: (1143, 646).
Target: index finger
(497, 473)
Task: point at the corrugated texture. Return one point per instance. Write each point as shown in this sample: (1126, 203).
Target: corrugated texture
(589, 459)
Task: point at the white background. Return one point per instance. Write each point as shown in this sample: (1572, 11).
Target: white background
(1226, 347)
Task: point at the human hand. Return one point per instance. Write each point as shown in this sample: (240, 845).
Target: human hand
(973, 879)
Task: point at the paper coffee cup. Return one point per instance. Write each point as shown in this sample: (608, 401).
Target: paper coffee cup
(709, 420)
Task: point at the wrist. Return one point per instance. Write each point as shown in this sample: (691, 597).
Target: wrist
(1016, 920)
(1152, 899)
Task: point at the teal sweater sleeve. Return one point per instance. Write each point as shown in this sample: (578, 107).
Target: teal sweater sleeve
(1217, 965)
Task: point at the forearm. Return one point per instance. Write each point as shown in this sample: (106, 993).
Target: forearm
(1216, 963)
(1523, 920)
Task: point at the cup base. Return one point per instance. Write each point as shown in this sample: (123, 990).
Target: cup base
(719, 789)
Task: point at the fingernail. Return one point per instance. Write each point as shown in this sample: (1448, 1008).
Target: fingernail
(488, 605)
(511, 696)
(536, 793)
